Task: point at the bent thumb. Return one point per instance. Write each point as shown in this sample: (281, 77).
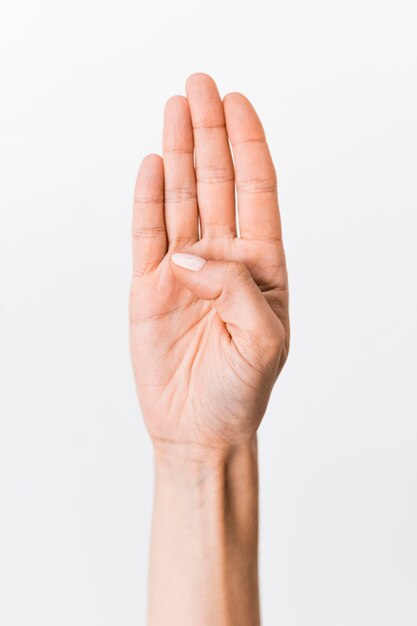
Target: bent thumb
(238, 300)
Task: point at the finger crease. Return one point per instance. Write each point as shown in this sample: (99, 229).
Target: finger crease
(208, 126)
(149, 200)
(144, 232)
(179, 195)
(256, 186)
(214, 174)
(249, 140)
(179, 150)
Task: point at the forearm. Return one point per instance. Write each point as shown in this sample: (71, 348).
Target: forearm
(203, 565)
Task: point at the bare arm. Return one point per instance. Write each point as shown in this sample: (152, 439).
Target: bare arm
(204, 540)
(209, 335)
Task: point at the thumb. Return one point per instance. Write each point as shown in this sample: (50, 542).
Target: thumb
(238, 300)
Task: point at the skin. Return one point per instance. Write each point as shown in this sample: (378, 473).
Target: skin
(206, 347)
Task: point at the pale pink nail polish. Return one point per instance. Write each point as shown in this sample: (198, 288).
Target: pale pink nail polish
(188, 261)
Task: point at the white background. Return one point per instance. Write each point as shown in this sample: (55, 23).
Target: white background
(83, 86)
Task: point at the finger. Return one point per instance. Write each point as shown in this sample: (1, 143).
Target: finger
(181, 213)
(238, 300)
(149, 243)
(256, 180)
(214, 164)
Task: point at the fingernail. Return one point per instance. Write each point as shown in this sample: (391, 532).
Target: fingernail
(188, 261)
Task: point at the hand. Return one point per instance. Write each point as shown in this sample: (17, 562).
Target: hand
(207, 343)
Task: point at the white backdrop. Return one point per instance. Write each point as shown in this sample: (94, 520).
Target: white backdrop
(83, 86)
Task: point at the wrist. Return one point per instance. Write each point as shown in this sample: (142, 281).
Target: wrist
(217, 484)
(206, 522)
(192, 459)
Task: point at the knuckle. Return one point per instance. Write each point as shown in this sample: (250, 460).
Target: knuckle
(143, 201)
(208, 123)
(277, 338)
(236, 270)
(277, 335)
(178, 149)
(145, 232)
(259, 184)
(179, 194)
(272, 343)
(214, 174)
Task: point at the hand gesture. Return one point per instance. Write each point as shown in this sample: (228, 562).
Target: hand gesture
(209, 300)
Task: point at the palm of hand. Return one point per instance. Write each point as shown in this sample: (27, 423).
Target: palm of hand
(194, 382)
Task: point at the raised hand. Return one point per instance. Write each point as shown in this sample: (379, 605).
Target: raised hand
(207, 342)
